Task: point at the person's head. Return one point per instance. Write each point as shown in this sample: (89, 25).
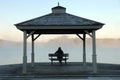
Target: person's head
(59, 48)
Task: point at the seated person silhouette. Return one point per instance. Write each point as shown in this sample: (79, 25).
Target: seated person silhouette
(59, 54)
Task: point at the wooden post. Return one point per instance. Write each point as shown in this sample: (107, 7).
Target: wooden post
(32, 54)
(25, 52)
(94, 59)
(84, 50)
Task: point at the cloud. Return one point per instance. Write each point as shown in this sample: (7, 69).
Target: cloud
(9, 43)
(109, 42)
(68, 41)
(65, 40)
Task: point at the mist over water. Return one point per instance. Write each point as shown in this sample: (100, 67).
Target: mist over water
(108, 51)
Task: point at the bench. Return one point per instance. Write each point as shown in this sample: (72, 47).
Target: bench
(53, 57)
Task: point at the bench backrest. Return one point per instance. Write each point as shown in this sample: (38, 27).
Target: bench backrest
(53, 55)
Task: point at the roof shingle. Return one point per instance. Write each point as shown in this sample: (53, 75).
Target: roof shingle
(59, 19)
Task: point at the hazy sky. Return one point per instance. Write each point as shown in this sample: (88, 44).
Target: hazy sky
(15, 11)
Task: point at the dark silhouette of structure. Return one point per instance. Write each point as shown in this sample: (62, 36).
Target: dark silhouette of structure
(59, 22)
(59, 53)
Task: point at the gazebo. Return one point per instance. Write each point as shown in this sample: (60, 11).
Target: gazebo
(59, 22)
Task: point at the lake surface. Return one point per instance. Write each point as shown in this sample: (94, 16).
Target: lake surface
(11, 53)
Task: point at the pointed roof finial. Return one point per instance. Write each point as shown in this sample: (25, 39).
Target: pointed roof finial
(58, 4)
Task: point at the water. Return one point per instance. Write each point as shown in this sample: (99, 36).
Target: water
(11, 52)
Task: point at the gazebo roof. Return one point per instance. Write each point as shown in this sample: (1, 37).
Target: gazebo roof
(59, 19)
(62, 19)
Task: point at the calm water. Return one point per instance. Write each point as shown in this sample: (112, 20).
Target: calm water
(11, 53)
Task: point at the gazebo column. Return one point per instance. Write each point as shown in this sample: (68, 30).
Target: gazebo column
(32, 54)
(24, 52)
(84, 50)
(94, 56)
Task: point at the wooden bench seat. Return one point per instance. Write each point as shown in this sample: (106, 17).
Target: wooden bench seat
(53, 57)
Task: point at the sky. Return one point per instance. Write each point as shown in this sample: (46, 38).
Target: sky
(15, 11)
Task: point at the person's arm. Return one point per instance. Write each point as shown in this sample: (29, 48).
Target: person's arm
(56, 52)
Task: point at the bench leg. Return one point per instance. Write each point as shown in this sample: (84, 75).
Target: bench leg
(51, 61)
(65, 62)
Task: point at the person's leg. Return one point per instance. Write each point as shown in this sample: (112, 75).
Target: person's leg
(60, 61)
